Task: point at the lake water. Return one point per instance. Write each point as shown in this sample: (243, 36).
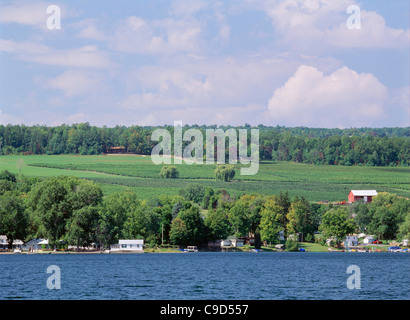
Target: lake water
(207, 276)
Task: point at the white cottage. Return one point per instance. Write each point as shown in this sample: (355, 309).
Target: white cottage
(136, 246)
(3, 243)
(17, 243)
(35, 244)
(351, 240)
(368, 240)
(232, 241)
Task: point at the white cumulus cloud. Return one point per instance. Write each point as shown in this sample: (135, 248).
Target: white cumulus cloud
(89, 56)
(76, 82)
(162, 36)
(320, 25)
(341, 99)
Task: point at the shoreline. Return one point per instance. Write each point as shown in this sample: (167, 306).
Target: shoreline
(303, 247)
(200, 251)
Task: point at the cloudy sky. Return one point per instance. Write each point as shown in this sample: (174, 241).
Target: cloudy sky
(273, 62)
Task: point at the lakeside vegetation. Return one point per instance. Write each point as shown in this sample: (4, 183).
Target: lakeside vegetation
(56, 184)
(76, 211)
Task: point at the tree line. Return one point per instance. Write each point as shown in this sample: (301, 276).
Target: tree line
(74, 211)
(361, 146)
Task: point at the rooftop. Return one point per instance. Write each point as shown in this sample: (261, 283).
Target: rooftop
(131, 241)
(364, 192)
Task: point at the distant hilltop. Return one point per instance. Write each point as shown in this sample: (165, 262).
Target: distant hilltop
(351, 146)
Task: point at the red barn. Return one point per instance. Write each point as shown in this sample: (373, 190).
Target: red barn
(365, 195)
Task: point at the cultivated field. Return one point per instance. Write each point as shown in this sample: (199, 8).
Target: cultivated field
(117, 172)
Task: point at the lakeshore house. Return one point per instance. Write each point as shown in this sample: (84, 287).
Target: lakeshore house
(368, 239)
(233, 241)
(36, 244)
(229, 242)
(134, 246)
(351, 240)
(361, 195)
(4, 243)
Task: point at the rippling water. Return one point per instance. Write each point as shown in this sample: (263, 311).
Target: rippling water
(207, 276)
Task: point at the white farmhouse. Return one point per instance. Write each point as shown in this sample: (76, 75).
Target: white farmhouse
(134, 246)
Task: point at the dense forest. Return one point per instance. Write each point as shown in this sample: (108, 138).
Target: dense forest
(354, 146)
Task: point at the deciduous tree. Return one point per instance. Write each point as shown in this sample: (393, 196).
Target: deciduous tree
(13, 217)
(335, 223)
(270, 225)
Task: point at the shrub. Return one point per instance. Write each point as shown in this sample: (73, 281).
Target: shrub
(291, 245)
(169, 172)
(226, 173)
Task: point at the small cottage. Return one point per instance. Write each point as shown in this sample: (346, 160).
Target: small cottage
(236, 242)
(132, 246)
(368, 240)
(36, 244)
(4, 244)
(226, 243)
(351, 240)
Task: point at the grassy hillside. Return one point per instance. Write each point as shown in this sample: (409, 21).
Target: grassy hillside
(315, 182)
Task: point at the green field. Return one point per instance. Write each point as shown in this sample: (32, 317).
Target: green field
(118, 172)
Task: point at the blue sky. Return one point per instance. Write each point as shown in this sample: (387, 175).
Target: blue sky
(271, 62)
